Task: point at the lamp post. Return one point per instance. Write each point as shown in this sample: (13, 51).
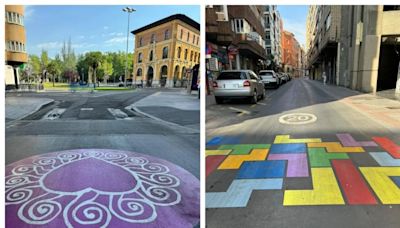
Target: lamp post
(129, 11)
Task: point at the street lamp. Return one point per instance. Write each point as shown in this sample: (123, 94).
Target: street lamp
(129, 11)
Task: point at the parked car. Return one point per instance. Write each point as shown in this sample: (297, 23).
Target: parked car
(269, 78)
(238, 84)
(281, 79)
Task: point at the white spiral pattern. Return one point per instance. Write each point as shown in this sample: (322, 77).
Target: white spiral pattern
(156, 188)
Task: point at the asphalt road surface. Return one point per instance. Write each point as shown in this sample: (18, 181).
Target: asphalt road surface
(87, 122)
(330, 166)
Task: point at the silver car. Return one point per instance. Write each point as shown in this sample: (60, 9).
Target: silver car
(238, 84)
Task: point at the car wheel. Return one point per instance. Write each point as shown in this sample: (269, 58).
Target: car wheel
(254, 98)
(219, 100)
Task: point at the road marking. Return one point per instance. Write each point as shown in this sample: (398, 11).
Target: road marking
(86, 109)
(54, 114)
(240, 110)
(261, 103)
(254, 105)
(286, 139)
(235, 161)
(118, 114)
(326, 190)
(297, 118)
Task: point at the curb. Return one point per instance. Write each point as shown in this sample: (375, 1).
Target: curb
(30, 113)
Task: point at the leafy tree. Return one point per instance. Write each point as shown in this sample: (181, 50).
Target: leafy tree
(34, 61)
(93, 60)
(54, 68)
(69, 61)
(44, 61)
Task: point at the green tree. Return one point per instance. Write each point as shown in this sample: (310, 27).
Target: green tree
(54, 68)
(44, 61)
(68, 59)
(106, 68)
(93, 60)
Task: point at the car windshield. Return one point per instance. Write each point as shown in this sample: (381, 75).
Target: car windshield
(266, 76)
(232, 76)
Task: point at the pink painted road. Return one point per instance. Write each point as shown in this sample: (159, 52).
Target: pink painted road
(100, 188)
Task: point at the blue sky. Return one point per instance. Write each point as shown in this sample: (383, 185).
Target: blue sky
(294, 20)
(91, 28)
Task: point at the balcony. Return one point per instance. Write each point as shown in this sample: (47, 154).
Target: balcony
(217, 31)
(248, 47)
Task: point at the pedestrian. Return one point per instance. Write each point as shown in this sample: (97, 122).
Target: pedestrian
(324, 77)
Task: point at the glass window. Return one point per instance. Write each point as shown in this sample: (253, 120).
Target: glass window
(153, 38)
(197, 40)
(191, 55)
(140, 57)
(194, 38)
(140, 41)
(181, 33)
(186, 53)
(235, 75)
(179, 52)
(139, 72)
(151, 55)
(165, 53)
(166, 34)
(188, 37)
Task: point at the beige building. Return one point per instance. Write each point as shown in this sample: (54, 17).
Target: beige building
(15, 37)
(369, 48)
(15, 43)
(166, 51)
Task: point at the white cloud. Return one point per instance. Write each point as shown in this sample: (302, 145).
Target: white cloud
(114, 40)
(50, 45)
(29, 10)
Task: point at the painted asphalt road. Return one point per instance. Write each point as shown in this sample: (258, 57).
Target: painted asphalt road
(79, 128)
(87, 123)
(340, 171)
(66, 189)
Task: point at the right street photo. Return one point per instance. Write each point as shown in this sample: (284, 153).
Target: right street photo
(302, 116)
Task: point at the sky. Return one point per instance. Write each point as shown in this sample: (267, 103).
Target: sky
(91, 28)
(294, 20)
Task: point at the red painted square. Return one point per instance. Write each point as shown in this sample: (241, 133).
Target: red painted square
(352, 183)
(212, 162)
(387, 144)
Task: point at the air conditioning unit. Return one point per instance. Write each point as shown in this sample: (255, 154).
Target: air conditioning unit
(221, 16)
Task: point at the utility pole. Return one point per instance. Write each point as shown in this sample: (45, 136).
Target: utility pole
(129, 11)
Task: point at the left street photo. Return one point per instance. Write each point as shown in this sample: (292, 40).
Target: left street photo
(102, 116)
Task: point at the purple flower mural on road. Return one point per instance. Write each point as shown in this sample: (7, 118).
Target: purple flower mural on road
(100, 188)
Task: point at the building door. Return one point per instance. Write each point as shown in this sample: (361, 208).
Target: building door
(388, 63)
(150, 76)
(176, 76)
(164, 75)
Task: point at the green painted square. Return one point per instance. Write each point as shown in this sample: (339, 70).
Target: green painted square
(320, 158)
(238, 149)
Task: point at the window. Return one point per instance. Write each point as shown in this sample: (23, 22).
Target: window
(139, 72)
(191, 55)
(166, 34)
(197, 40)
(151, 56)
(186, 53)
(140, 58)
(188, 37)
(328, 22)
(194, 39)
(181, 33)
(140, 42)
(15, 46)
(153, 38)
(195, 56)
(165, 52)
(179, 52)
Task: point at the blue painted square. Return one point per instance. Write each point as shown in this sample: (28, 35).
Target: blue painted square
(261, 169)
(396, 180)
(290, 148)
(219, 140)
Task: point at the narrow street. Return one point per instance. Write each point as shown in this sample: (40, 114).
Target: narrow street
(333, 160)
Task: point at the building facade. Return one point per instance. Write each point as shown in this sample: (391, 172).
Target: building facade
(166, 51)
(15, 41)
(273, 25)
(323, 24)
(235, 37)
(369, 48)
(291, 60)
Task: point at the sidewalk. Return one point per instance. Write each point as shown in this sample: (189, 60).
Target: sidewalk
(176, 107)
(20, 107)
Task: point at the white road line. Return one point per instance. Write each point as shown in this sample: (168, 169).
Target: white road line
(86, 109)
(54, 114)
(240, 110)
(118, 114)
(261, 103)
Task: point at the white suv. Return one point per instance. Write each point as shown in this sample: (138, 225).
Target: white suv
(269, 78)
